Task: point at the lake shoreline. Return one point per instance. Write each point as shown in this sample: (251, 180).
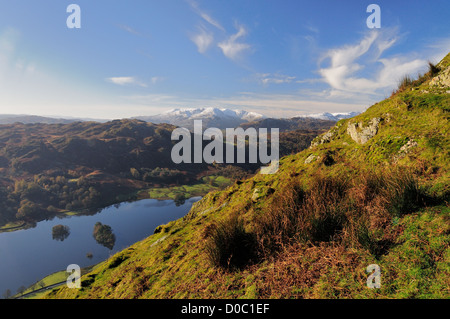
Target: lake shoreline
(179, 193)
(34, 253)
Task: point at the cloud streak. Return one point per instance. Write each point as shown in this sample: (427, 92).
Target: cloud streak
(268, 78)
(125, 80)
(233, 49)
(204, 15)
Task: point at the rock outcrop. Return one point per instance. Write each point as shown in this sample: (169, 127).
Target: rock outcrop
(442, 80)
(324, 138)
(362, 134)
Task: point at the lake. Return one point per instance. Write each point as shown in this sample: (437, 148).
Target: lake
(28, 255)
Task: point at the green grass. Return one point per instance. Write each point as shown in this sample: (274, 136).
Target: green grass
(52, 279)
(207, 184)
(57, 277)
(398, 221)
(12, 226)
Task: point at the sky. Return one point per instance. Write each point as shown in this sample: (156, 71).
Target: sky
(278, 58)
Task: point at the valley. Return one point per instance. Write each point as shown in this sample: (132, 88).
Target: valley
(52, 169)
(62, 174)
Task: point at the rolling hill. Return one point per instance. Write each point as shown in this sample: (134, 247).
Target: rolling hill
(47, 169)
(374, 189)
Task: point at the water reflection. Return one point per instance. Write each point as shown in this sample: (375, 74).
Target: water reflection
(28, 255)
(60, 232)
(104, 235)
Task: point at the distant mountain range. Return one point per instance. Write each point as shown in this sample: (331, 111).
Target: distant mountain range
(332, 116)
(35, 119)
(31, 119)
(225, 118)
(211, 117)
(184, 117)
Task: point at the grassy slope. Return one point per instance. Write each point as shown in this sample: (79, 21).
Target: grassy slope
(173, 263)
(208, 184)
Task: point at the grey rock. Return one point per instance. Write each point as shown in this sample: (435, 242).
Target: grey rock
(442, 79)
(405, 149)
(310, 158)
(362, 134)
(324, 138)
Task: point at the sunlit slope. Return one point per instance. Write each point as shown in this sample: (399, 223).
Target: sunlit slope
(372, 190)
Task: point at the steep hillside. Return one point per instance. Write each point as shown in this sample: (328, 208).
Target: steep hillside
(372, 190)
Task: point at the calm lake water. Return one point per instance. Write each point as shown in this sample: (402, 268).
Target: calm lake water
(27, 256)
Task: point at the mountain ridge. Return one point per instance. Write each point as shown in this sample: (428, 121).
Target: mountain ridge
(221, 117)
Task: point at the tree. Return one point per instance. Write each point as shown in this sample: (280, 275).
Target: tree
(104, 236)
(180, 199)
(7, 294)
(41, 284)
(21, 290)
(27, 211)
(135, 173)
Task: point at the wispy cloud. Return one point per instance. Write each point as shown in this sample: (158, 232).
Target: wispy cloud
(269, 78)
(133, 31)
(347, 70)
(128, 29)
(233, 49)
(203, 39)
(126, 80)
(156, 79)
(204, 15)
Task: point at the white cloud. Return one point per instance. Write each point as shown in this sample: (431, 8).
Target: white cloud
(347, 64)
(202, 40)
(126, 80)
(233, 49)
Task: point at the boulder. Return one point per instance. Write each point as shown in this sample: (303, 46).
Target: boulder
(362, 134)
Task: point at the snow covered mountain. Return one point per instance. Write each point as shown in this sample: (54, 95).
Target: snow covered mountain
(211, 117)
(226, 118)
(331, 116)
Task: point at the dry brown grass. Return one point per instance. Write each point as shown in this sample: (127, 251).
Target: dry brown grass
(353, 212)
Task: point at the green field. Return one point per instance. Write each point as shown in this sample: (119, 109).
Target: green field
(57, 277)
(208, 184)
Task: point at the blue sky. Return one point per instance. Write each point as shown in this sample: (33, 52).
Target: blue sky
(278, 58)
